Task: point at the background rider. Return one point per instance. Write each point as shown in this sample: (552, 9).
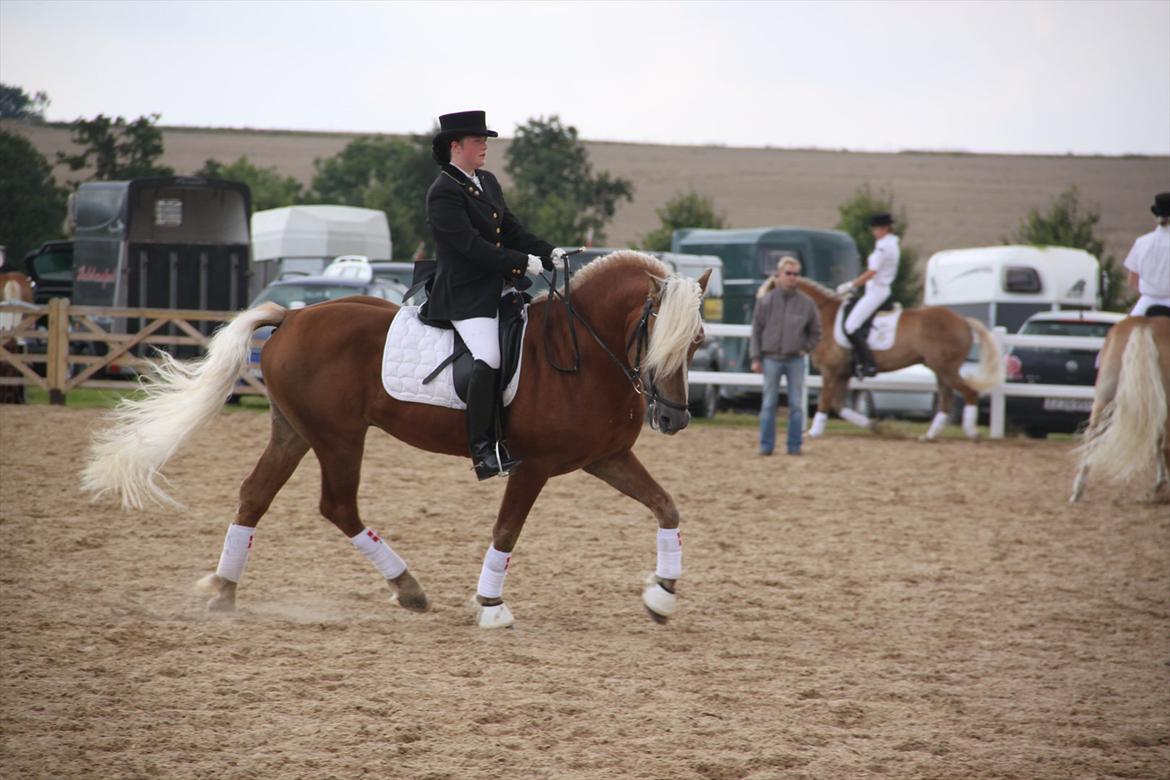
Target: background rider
(881, 269)
(1148, 262)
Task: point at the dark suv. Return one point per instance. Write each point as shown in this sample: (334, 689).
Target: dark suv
(1055, 366)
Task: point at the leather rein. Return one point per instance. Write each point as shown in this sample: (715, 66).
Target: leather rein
(640, 338)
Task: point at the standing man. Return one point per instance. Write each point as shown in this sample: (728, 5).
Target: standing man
(785, 328)
(479, 247)
(1148, 262)
(878, 278)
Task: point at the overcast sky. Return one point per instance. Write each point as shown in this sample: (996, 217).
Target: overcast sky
(1053, 77)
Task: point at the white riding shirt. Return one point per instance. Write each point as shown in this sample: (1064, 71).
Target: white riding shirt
(1150, 260)
(883, 261)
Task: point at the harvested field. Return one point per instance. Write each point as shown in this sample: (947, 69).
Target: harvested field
(876, 607)
(952, 200)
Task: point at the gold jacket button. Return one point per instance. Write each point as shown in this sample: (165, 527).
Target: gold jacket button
(497, 243)
(497, 230)
(495, 215)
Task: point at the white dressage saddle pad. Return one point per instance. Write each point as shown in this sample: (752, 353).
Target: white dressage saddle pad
(881, 333)
(413, 350)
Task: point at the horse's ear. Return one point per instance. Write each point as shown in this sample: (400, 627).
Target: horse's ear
(706, 277)
(654, 287)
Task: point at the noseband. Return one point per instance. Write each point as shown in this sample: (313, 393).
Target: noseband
(640, 339)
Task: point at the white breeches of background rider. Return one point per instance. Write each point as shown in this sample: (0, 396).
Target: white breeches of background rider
(482, 337)
(1145, 302)
(875, 295)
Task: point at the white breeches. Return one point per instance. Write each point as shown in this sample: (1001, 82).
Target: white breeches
(875, 295)
(1145, 302)
(482, 337)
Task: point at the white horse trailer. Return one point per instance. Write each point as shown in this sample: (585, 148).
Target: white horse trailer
(1004, 285)
(306, 239)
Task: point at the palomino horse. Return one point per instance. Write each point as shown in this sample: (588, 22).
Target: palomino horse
(322, 367)
(932, 335)
(1129, 427)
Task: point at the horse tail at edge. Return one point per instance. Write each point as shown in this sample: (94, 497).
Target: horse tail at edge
(178, 398)
(991, 372)
(1123, 441)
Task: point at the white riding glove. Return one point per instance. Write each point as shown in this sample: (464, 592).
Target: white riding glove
(844, 288)
(558, 258)
(534, 265)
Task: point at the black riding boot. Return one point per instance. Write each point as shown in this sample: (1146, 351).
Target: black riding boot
(863, 364)
(481, 423)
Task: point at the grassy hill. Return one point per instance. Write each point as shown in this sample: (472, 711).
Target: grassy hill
(951, 199)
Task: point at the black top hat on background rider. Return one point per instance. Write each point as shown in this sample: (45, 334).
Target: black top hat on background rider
(480, 247)
(878, 278)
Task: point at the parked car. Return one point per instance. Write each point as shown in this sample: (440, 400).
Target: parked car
(344, 278)
(1038, 417)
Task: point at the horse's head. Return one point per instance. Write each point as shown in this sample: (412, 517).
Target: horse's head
(670, 329)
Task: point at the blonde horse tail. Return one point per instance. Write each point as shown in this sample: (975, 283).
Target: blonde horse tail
(178, 398)
(991, 372)
(1123, 440)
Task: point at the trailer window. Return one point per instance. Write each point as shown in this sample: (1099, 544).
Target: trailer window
(1021, 279)
(168, 212)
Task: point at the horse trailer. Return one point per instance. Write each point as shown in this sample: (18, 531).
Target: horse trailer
(1004, 285)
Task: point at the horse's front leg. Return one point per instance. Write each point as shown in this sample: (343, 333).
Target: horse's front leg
(524, 485)
(624, 472)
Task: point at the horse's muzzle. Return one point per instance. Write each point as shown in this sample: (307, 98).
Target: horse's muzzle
(669, 421)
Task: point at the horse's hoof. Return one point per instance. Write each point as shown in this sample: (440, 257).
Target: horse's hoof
(498, 616)
(659, 602)
(224, 593)
(221, 603)
(661, 620)
(408, 594)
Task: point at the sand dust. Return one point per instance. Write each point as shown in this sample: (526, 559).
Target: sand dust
(875, 608)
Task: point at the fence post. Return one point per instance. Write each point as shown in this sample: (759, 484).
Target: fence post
(57, 350)
(998, 402)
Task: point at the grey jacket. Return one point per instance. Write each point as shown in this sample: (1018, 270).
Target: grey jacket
(786, 323)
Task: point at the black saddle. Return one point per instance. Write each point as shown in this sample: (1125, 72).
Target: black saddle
(511, 333)
(863, 329)
(1158, 310)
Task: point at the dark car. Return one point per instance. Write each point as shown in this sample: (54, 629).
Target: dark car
(50, 267)
(1038, 417)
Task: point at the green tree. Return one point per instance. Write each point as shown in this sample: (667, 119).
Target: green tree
(555, 192)
(117, 149)
(853, 219)
(32, 206)
(390, 174)
(1069, 223)
(269, 189)
(16, 104)
(685, 209)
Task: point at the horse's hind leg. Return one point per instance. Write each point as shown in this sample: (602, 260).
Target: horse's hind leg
(624, 472)
(341, 464)
(948, 377)
(946, 400)
(284, 452)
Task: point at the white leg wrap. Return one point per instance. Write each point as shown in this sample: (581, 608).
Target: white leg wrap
(818, 425)
(857, 418)
(970, 416)
(373, 547)
(491, 576)
(234, 557)
(669, 554)
(936, 425)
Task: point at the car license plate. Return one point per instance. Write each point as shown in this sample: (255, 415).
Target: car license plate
(1068, 405)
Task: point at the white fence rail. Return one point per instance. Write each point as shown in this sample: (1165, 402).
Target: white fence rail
(882, 383)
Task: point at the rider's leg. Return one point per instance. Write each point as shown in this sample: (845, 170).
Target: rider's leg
(875, 296)
(481, 335)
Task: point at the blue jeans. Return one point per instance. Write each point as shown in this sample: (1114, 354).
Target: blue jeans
(793, 369)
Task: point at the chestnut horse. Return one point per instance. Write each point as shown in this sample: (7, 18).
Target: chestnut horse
(638, 326)
(932, 335)
(1129, 427)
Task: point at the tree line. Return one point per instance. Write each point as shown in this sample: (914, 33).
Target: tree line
(555, 192)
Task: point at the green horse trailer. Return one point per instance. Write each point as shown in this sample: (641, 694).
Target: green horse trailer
(749, 257)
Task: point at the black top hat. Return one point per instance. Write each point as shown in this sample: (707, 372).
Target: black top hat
(452, 126)
(1161, 207)
(881, 220)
